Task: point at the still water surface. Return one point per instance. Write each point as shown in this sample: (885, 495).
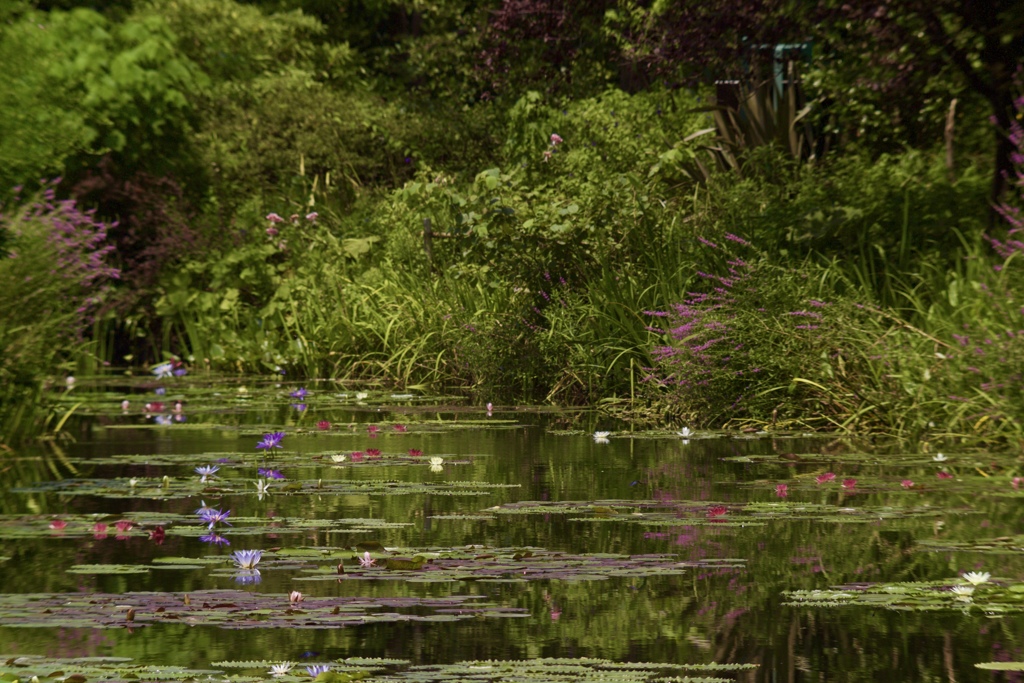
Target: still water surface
(725, 612)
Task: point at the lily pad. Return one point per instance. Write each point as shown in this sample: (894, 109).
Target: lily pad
(710, 513)
(171, 489)
(231, 609)
(108, 569)
(481, 563)
(989, 599)
(80, 669)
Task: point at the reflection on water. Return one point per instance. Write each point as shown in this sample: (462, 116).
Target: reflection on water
(721, 613)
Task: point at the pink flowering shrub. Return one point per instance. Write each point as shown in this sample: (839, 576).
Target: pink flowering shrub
(750, 341)
(54, 276)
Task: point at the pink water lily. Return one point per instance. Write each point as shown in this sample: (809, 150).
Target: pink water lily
(907, 484)
(781, 490)
(367, 561)
(824, 478)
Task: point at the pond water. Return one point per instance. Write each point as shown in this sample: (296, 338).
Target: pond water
(732, 557)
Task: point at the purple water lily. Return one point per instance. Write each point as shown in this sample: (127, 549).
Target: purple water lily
(299, 393)
(214, 517)
(249, 577)
(270, 474)
(318, 669)
(215, 539)
(247, 559)
(206, 471)
(271, 440)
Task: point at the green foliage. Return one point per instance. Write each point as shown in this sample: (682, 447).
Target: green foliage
(231, 41)
(85, 86)
(53, 278)
(890, 216)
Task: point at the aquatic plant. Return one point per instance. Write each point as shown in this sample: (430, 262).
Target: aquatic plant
(213, 517)
(206, 471)
(271, 440)
(246, 559)
(269, 473)
(977, 578)
(281, 669)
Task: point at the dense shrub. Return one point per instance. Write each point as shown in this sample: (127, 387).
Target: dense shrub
(54, 278)
(83, 86)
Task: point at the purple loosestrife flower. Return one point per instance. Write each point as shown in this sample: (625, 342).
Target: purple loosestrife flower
(271, 440)
(274, 218)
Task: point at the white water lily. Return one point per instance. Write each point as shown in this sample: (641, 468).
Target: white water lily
(338, 457)
(262, 488)
(602, 435)
(939, 457)
(684, 432)
(435, 464)
(132, 482)
(963, 590)
(977, 578)
(295, 597)
(280, 669)
(361, 395)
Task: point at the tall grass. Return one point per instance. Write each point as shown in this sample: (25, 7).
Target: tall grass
(53, 280)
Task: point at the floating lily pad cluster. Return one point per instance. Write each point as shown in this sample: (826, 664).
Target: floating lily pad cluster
(177, 488)
(515, 565)
(989, 598)
(672, 513)
(228, 461)
(141, 524)
(1005, 545)
(372, 670)
(234, 609)
(83, 669)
